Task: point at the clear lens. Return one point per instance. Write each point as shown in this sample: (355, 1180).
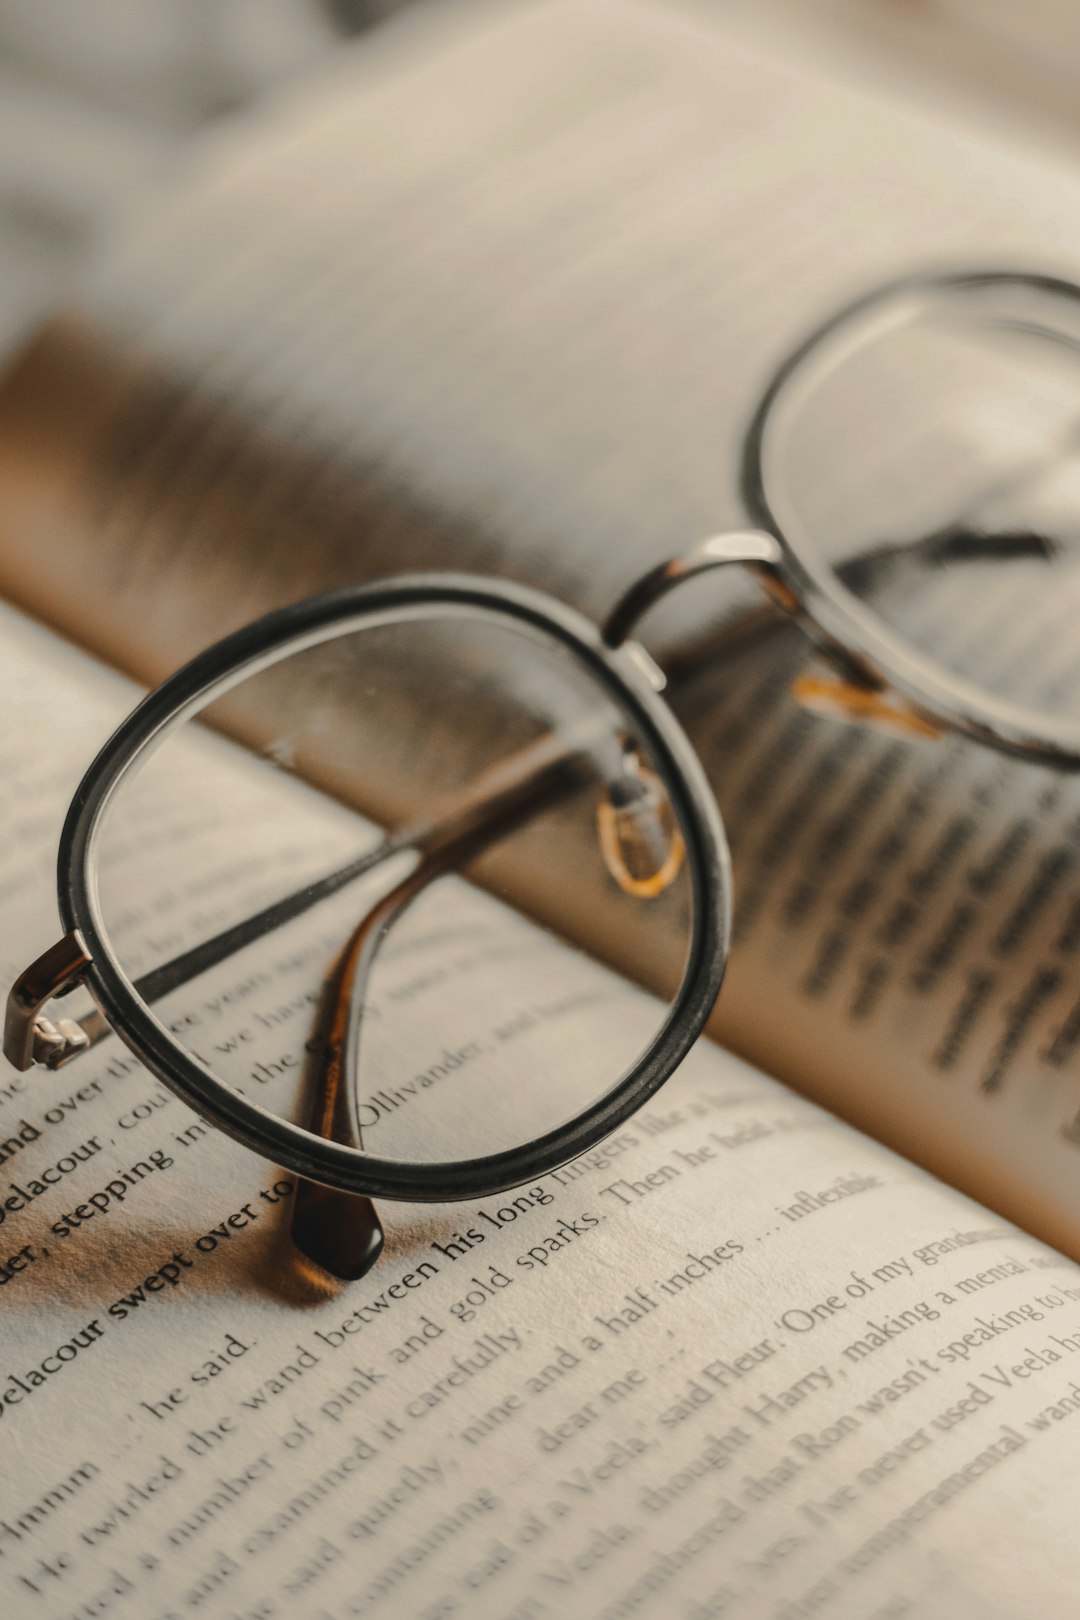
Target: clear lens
(926, 454)
(433, 976)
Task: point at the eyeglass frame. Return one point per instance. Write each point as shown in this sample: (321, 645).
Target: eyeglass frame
(864, 652)
(619, 672)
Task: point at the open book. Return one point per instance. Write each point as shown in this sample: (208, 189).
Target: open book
(496, 295)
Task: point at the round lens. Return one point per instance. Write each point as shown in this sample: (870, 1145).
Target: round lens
(920, 460)
(378, 888)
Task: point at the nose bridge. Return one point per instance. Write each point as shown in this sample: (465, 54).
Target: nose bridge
(755, 549)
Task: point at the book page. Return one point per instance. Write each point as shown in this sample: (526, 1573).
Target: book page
(525, 339)
(738, 1360)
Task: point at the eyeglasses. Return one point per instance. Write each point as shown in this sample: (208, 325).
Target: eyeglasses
(912, 478)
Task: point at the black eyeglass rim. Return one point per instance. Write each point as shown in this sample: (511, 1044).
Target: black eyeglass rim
(266, 641)
(831, 614)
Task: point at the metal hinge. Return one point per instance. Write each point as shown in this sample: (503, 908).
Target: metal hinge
(31, 1038)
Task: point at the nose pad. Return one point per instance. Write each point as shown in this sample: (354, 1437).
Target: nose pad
(640, 840)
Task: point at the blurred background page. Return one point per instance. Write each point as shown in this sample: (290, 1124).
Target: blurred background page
(99, 99)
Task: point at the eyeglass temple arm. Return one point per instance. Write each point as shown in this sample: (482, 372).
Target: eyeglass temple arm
(339, 1231)
(509, 791)
(30, 1038)
(956, 543)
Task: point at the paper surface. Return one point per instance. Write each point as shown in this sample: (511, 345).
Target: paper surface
(738, 1360)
